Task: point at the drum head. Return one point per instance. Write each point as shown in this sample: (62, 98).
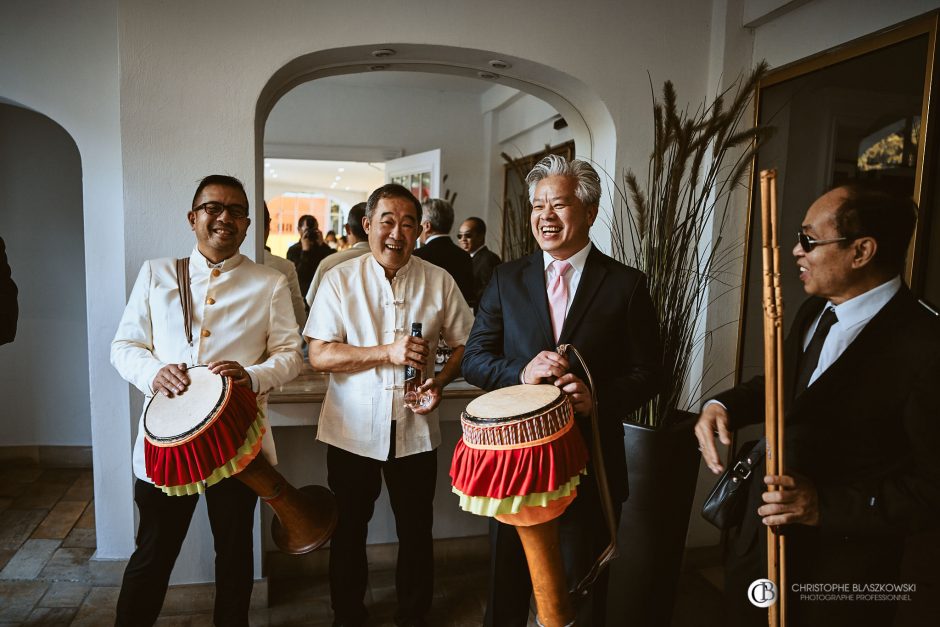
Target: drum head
(514, 401)
(174, 420)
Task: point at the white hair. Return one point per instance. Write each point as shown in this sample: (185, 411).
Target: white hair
(588, 190)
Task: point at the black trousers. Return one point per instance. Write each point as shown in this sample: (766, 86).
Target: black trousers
(356, 481)
(583, 535)
(164, 521)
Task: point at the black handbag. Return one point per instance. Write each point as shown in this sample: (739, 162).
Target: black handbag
(724, 506)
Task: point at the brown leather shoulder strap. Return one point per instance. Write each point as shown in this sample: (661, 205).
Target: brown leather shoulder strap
(186, 296)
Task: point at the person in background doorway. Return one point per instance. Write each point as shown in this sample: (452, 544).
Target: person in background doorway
(307, 253)
(439, 249)
(287, 269)
(472, 238)
(360, 246)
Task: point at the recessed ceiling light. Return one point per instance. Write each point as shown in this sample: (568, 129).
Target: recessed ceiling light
(347, 189)
(383, 52)
(267, 164)
(487, 75)
(341, 170)
(274, 176)
(338, 178)
(333, 184)
(499, 64)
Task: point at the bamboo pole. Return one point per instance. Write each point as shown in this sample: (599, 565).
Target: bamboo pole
(773, 380)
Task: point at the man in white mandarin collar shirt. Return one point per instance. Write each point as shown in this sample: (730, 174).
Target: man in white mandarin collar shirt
(243, 326)
(359, 332)
(861, 365)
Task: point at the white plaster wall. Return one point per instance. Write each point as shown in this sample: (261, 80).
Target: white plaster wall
(41, 223)
(333, 113)
(822, 24)
(61, 59)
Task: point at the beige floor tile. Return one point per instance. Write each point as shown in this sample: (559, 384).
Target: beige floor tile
(189, 599)
(51, 617)
(93, 617)
(30, 560)
(5, 556)
(17, 599)
(68, 565)
(16, 525)
(59, 521)
(80, 539)
(87, 521)
(106, 572)
(19, 473)
(40, 495)
(104, 597)
(83, 488)
(65, 594)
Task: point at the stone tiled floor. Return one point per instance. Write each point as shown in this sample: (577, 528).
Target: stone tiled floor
(47, 535)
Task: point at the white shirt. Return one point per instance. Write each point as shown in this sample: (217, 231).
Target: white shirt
(331, 261)
(287, 268)
(573, 276)
(357, 305)
(242, 313)
(852, 317)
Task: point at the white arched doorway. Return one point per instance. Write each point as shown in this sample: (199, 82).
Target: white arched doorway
(591, 124)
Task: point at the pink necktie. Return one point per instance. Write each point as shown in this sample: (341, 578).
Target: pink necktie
(558, 295)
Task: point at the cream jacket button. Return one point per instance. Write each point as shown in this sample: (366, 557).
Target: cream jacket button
(206, 333)
(210, 301)
(216, 272)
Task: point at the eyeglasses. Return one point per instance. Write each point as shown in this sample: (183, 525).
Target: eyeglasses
(239, 212)
(465, 235)
(807, 243)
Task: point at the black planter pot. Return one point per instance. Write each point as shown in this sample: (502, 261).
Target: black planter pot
(662, 466)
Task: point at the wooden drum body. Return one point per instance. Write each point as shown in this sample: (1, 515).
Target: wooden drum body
(213, 431)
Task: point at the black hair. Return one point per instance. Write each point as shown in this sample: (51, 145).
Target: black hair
(871, 210)
(220, 179)
(354, 221)
(478, 224)
(391, 190)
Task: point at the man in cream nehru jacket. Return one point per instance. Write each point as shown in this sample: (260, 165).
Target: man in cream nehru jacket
(243, 326)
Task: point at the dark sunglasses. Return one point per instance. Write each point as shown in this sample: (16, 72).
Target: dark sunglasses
(464, 235)
(239, 212)
(807, 243)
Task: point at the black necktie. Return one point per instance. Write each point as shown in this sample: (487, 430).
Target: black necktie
(810, 358)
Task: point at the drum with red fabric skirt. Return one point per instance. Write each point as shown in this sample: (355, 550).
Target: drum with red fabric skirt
(213, 431)
(520, 461)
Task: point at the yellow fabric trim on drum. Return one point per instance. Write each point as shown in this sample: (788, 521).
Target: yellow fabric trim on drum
(533, 443)
(486, 506)
(250, 448)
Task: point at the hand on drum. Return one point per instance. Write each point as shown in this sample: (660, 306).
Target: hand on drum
(171, 379)
(432, 388)
(231, 369)
(544, 368)
(409, 351)
(578, 393)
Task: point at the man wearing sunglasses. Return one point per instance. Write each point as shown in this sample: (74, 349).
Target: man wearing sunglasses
(862, 472)
(243, 326)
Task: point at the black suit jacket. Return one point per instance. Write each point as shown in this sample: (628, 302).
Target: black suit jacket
(9, 309)
(611, 322)
(484, 263)
(867, 433)
(443, 252)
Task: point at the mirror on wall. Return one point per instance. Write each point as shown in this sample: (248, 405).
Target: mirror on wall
(856, 113)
